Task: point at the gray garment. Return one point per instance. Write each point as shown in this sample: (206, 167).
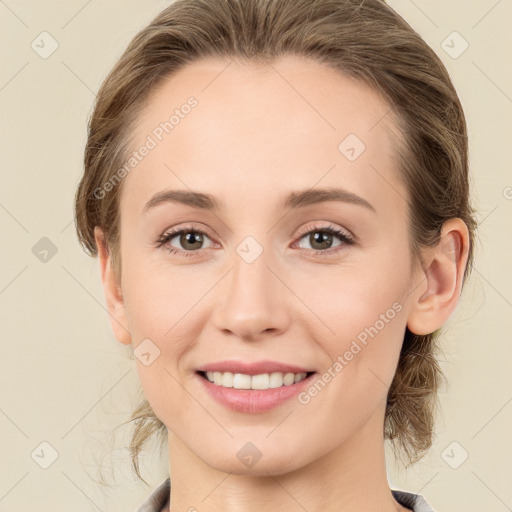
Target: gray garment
(158, 500)
(416, 502)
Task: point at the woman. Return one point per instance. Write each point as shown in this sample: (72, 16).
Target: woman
(277, 191)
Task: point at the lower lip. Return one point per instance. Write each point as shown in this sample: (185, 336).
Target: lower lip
(253, 400)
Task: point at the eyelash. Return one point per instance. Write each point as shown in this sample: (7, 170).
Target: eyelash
(345, 238)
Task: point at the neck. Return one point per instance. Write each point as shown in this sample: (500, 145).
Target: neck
(350, 477)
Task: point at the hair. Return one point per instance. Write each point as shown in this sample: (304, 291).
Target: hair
(365, 40)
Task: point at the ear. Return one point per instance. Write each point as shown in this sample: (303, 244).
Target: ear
(112, 290)
(441, 279)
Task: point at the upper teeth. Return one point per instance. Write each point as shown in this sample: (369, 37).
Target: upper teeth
(261, 381)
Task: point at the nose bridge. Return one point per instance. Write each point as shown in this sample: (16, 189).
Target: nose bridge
(253, 299)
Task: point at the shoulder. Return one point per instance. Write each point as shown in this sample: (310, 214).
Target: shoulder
(416, 502)
(158, 499)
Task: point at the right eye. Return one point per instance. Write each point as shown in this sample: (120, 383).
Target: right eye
(190, 239)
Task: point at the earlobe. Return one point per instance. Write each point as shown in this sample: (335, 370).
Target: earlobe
(438, 291)
(112, 290)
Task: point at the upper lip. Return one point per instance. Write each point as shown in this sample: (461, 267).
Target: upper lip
(252, 368)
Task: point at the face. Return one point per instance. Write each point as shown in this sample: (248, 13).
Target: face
(275, 272)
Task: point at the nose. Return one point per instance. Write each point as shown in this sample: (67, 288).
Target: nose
(252, 302)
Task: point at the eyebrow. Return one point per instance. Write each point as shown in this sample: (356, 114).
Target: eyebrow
(295, 200)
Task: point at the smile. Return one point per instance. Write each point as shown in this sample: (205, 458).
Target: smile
(261, 381)
(253, 393)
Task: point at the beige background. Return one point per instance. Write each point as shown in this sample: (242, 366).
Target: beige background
(67, 382)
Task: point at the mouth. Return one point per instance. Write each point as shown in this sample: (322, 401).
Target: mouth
(259, 382)
(255, 386)
(244, 393)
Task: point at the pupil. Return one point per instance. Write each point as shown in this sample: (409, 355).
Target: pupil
(188, 238)
(318, 237)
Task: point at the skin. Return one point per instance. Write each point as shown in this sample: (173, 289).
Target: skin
(257, 134)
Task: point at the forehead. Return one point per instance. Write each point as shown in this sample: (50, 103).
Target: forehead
(262, 127)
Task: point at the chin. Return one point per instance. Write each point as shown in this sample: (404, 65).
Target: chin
(249, 461)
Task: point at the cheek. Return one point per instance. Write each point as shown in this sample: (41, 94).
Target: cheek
(347, 300)
(159, 298)
(361, 317)
(366, 321)
(163, 308)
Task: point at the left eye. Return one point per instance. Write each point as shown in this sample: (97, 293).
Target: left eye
(321, 239)
(190, 240)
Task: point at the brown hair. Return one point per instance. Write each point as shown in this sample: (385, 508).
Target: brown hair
(363, 39)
